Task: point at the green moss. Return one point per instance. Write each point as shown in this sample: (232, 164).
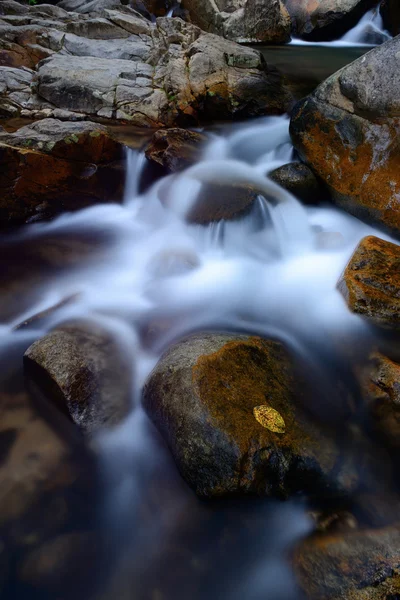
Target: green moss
(95, 134)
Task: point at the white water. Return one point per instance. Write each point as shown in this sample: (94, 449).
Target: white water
(272, 272)
(369, 31)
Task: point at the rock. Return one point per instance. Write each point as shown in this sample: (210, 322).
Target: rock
(370, 283)
(244, 21)
(91, 6)
(359, 565)
(14, 90)
(175, 149)
(300, 181)
(216, 202)
(230, 409)
(80, 367)
(347, 132)
(326, 19)
(390, 11)
(380, 384)
(51, 166)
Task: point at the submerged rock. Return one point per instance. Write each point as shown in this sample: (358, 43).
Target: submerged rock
(175, 149)
(51, 166)
(359, 565)
(230, 408)
(299, 180)
(370, 283)
(242, 20)
(80, 367)
(347, 131)
(326, 19)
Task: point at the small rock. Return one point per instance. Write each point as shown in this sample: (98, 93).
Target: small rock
(80, 368)
(299, 180)
(206, 395)
(175, 149)
(370, 283)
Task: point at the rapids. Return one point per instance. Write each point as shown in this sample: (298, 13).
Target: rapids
(273, 271)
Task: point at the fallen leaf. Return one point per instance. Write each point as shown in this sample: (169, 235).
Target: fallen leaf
(269, 418)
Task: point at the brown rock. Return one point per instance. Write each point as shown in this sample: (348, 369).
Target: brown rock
(216, 202)
(175, 149)
(299, 180)
(360, 565)
(80, 368)
(202, 396)
(347, 131)
(51, 166)
(370, 283)
(380, 380)
(156, 8)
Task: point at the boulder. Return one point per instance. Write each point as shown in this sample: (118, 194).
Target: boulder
(326, 19)
(299, 180)
(390, 11)
(347, 132)
(244, 21)
(153, 8)
(216, 202)
(175, 149)
(359, 565)
(80, 367)
(52, 166)
(370, 283)
(230, 407)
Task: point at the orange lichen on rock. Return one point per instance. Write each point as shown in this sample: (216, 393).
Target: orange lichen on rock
(370, 283)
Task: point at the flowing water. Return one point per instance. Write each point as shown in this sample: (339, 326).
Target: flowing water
(142, 268)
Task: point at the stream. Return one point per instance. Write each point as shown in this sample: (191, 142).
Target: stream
(146, 274)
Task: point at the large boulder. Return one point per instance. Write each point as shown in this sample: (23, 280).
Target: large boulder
(81, 368)
(115, 64)
(370, 283)
(359, 565)
(390, 11)
(231, 410)
(347, 131)
(52, 166)
(242, 21)
(326, 19)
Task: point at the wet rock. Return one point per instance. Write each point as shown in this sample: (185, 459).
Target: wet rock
(81, 368)
(242, 21)
(370, 283)
(360, 565)
(51, 166)
(327, 19)
(175, 149)
(230, 409)
(390, 11)
(299, 180)
(149, 8)
(380, 382)
(216, 202)
(347, 131)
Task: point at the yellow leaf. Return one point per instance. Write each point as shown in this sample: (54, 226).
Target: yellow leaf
(270, 418)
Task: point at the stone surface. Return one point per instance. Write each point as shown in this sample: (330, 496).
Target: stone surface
(300, 181)
(390, 11)
(360, 565)
(149, 8)
(326, 19)
(370, 283)
(347, 131)
(175, 149)
(80, 366)
(202, 396)
(51, 166)
(242, 20)
(115, 64)
(215, 202)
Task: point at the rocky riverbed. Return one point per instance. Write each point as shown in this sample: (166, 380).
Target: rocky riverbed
(200, 302)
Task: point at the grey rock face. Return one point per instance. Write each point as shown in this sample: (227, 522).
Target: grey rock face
(242, 20)
(299, 180)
